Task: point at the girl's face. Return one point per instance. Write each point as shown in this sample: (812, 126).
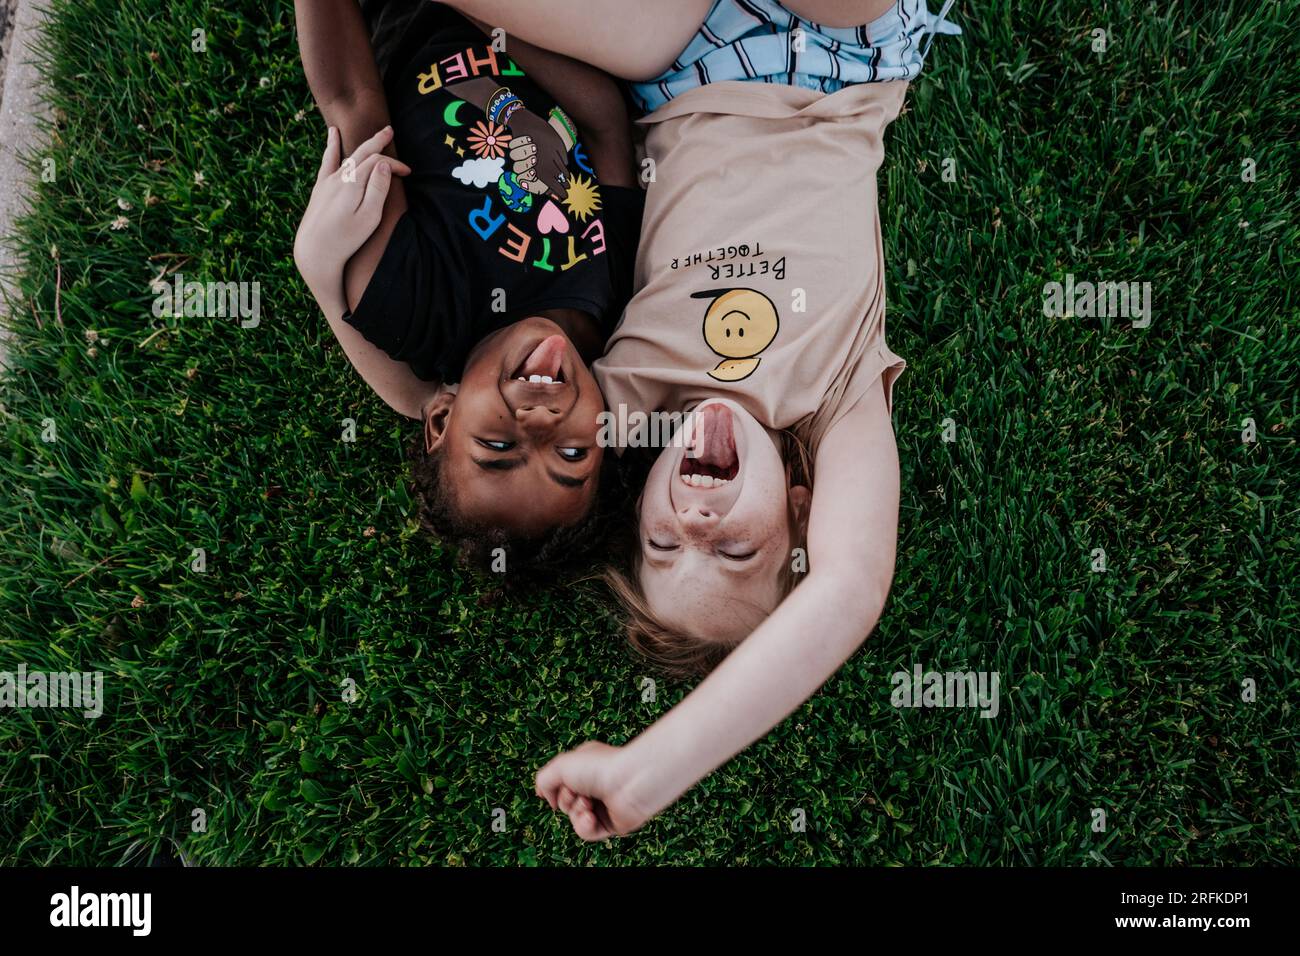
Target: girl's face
(519, 435)
(715, 526)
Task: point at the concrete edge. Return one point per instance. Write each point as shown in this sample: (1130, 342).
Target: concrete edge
(24, 108)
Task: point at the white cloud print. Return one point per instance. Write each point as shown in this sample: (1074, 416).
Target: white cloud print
(479, 172)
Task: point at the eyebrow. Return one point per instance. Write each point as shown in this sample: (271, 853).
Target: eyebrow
(498, 464)
(510, 464)
(566, 481)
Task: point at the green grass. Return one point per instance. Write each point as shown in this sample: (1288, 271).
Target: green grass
(1121, 690)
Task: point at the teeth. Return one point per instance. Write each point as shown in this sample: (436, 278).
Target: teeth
(547, 380)
(704, 481)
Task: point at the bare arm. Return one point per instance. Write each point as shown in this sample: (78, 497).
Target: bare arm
(342, 213)
(838, 13)
(340, 68)
(631, 39)
(341, 72)
(852, 539)
(392, 381)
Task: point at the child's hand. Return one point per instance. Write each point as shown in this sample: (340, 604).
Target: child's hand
(538, 155)
(592, 786)
(345, 208)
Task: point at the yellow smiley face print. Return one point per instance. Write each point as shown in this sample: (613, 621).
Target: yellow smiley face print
(739, 324)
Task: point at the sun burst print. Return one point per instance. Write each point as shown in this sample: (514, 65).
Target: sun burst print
(488, 140)
(583, 199)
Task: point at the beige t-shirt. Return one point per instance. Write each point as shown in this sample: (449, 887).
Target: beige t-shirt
(760, 270)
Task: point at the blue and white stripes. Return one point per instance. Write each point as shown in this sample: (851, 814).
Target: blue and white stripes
(755, 40)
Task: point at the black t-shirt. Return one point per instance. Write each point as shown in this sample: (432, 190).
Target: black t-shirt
(475, 251)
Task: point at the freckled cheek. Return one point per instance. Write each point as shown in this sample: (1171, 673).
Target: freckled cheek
(765, 524)
(774, 534)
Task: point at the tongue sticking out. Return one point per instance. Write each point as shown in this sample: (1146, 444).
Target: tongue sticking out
(715, 445)
(546, 358)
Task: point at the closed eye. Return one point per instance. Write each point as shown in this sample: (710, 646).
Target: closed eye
(656, 546)
(738, 557)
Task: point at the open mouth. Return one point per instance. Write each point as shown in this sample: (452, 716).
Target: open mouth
(715, 462)
(544, 364)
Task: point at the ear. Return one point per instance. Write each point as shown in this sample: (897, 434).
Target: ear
(801, 505)
(436, 415)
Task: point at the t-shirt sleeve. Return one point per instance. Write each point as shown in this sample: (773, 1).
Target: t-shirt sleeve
(405, 307)
(879, 366)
